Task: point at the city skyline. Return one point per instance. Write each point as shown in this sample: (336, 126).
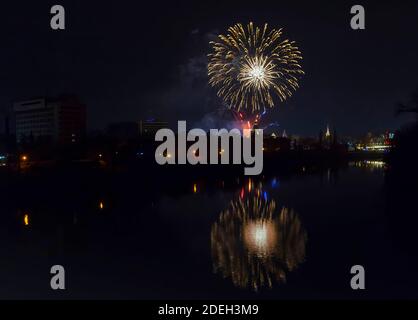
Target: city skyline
(25, 117)
(128, 66)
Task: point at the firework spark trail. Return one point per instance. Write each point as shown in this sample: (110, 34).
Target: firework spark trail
(249, 66)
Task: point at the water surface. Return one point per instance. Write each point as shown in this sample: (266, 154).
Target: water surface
(274, 237)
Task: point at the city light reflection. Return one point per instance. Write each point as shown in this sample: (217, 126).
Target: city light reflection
(369, 164)
(26, 219)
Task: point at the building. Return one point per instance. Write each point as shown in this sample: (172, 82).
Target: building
(61, 120)
(328, 139)
(327, 133)
(376, 143)
(148, 128)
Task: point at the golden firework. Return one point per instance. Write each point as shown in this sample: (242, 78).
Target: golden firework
(250, 65)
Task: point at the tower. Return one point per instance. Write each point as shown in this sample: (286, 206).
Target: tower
(327, 133)
(284, 135)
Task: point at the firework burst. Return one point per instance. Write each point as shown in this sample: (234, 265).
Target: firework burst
(249, 66)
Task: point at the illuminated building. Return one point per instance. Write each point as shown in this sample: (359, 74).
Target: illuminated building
(61, 119)
(327, 140)
(284, 135)
(376, 143)
(327, 133)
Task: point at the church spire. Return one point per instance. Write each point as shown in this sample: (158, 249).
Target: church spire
(284, 135)
(328, 133)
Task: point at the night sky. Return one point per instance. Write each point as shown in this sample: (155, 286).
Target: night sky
(130, 60)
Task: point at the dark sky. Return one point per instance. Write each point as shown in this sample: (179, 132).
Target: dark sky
(129, 60)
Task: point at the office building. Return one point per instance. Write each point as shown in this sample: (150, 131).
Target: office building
(61, 120)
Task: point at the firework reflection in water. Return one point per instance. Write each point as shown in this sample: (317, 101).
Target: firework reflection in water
(254, 243)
